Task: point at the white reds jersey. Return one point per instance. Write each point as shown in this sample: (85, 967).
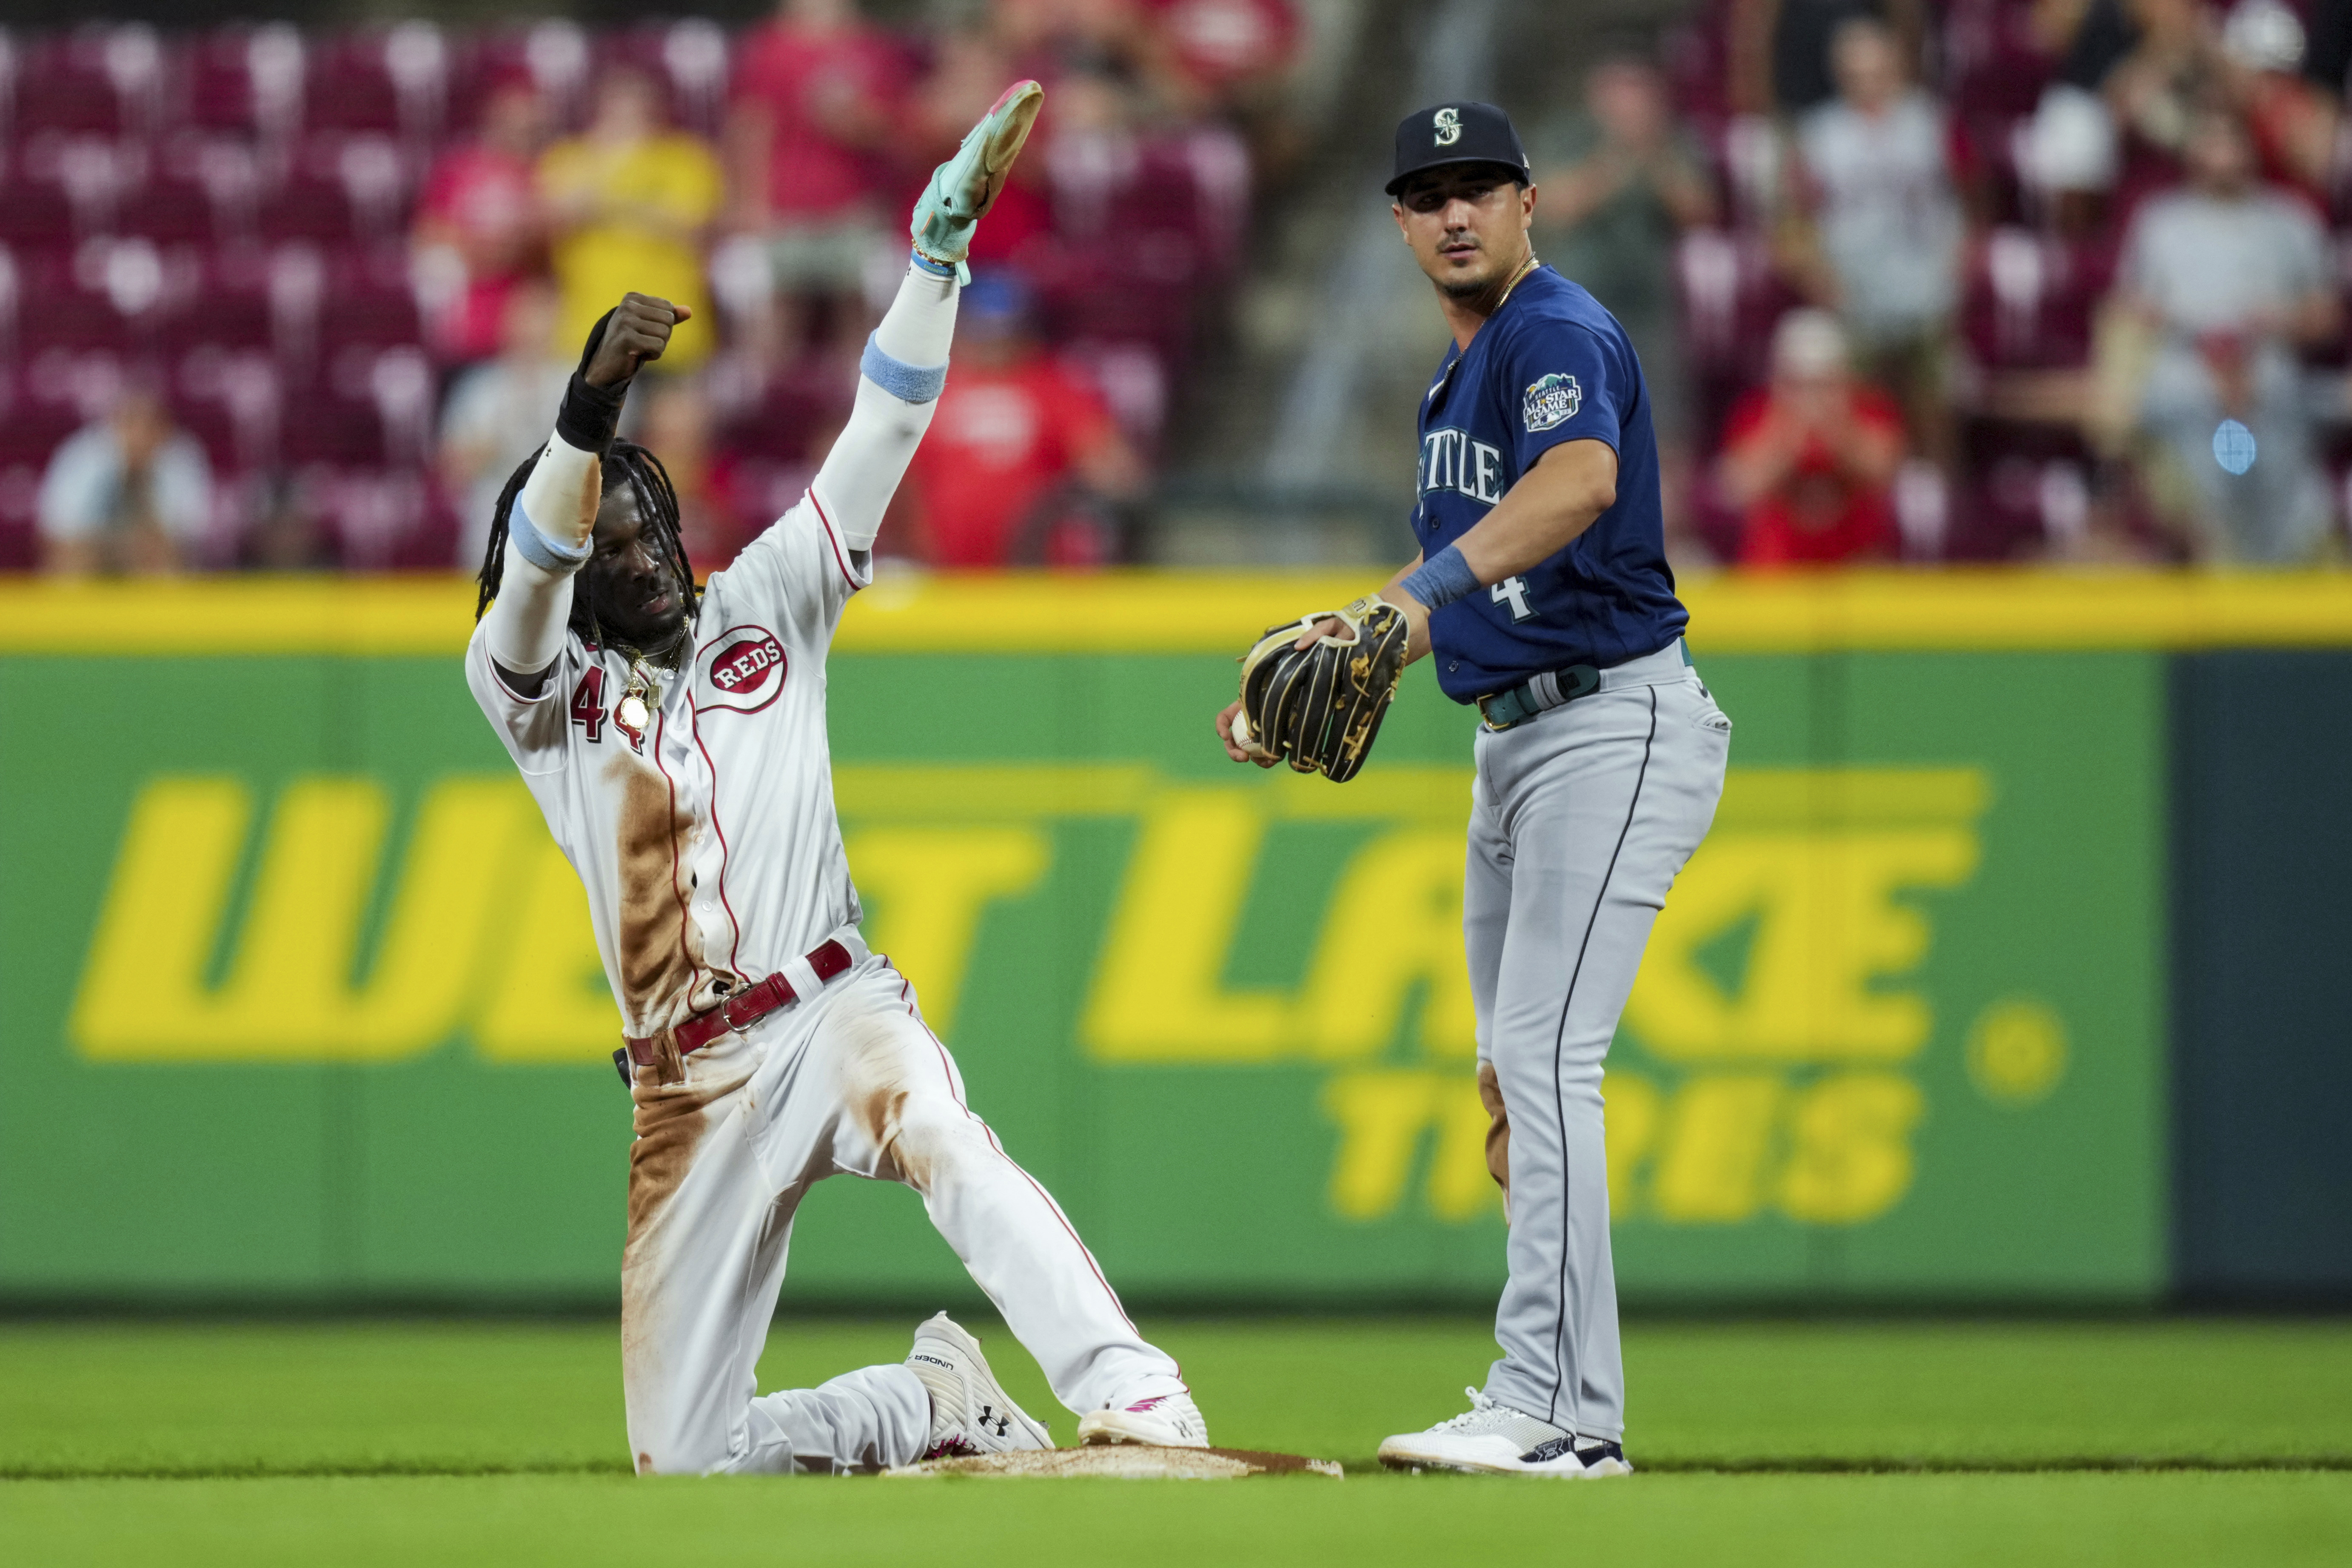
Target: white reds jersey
(708, 842)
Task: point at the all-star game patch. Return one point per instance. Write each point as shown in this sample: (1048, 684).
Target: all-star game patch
(1552, 402)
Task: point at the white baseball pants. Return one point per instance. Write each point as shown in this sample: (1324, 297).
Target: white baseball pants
(1580, 818)
(850, 1080)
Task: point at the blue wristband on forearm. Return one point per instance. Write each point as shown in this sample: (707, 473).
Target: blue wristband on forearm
(541, 551)
(1441, 579)
(906, 383)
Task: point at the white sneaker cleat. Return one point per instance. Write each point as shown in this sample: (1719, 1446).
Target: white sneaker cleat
(1495, 1439)
(971, 1412)
(1168, 1421)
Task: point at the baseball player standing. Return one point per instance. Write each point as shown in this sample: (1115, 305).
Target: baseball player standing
(1542, 591)
(678, 749)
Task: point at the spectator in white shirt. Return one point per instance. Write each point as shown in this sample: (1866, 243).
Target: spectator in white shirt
(1886, 225)
(2233, 279)
(128, 495)
(496, 412)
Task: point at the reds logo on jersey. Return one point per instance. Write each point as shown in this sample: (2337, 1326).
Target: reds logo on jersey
(742, 669)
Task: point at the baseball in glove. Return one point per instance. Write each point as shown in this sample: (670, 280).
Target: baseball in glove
(1317, 707)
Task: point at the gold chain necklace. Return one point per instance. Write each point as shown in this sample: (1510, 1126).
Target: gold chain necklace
(1530, 265)
(633, 712)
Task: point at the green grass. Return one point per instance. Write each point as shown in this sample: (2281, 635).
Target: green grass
(1825, 1443)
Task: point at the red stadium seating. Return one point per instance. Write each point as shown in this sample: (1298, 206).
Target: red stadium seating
(34, 215)
(226, 210)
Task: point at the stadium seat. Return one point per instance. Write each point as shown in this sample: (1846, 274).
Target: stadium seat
(34, 215)
(226, 308)
(312, 207)
(73, 318)
(776, 418)
(169, 208)
(687, 55)
(2029, 299)
(232, 399)
(362, 310)
(249, 79)
(324, 428)
(557, 55)
(31, 426)
(350, 87)
(373, 514)
(66, 97)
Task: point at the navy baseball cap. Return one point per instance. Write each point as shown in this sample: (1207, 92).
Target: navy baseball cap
(1447, 133)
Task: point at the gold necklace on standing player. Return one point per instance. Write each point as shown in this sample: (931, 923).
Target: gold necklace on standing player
(1530, 265)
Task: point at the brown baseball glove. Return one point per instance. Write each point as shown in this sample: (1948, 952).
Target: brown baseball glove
(1319, 708)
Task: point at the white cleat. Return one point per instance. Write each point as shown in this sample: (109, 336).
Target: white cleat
(1495, 1439)
(970, 1412)
(1170, 1421)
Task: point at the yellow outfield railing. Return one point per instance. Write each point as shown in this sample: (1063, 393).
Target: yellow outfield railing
(1202, 612)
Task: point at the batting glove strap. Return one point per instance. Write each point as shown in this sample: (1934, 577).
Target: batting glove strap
(591, 416)
(906, 383)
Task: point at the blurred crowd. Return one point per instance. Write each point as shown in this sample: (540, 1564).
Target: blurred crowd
(1922, 279)
(1984, 280)
(287, 299)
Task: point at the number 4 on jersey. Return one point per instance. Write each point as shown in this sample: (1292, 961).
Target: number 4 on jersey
(1514, 591)
(588, 702)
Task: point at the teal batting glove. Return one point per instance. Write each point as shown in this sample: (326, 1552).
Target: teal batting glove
(963, 189)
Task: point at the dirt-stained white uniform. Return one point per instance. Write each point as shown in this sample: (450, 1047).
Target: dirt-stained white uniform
(712, 859)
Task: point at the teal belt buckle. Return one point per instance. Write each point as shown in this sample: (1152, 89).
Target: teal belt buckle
(1505, 708)
(1517, 705)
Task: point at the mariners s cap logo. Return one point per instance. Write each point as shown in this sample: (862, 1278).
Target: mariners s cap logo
(1448, 122)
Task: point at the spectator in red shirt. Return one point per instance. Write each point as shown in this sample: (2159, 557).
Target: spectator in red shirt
(1808, 460)
(815, 103)
(479, 229)
(1022, 455)
(1233, 54)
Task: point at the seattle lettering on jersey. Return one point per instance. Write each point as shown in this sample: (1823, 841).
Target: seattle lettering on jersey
(1451, 460)
(1549, 367)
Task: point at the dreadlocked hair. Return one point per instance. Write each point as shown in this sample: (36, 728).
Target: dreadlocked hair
(624, 462)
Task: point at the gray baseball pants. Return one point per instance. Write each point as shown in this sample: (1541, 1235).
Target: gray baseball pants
(1580, 818)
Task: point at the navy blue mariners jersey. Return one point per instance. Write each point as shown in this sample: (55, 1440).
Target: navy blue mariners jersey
(1551, 366)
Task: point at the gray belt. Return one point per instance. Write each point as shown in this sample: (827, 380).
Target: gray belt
(1553, 687)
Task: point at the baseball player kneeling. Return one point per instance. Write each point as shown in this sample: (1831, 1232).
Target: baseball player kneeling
(677, 744)
(1543, 594)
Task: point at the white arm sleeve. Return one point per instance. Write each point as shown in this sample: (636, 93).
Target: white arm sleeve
(863, 470)
(524, 628)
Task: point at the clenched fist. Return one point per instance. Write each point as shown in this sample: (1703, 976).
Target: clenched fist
(635, 332)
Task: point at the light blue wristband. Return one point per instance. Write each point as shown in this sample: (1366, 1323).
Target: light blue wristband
(541, 551)
(1441, 579)
(906, 383)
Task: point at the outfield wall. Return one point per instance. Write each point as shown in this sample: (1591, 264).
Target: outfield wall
(300, 1003)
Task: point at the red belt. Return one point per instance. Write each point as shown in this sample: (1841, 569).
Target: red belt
(741, 1011)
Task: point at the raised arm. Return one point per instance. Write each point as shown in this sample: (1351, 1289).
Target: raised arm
(905, 362)
(549, 519)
